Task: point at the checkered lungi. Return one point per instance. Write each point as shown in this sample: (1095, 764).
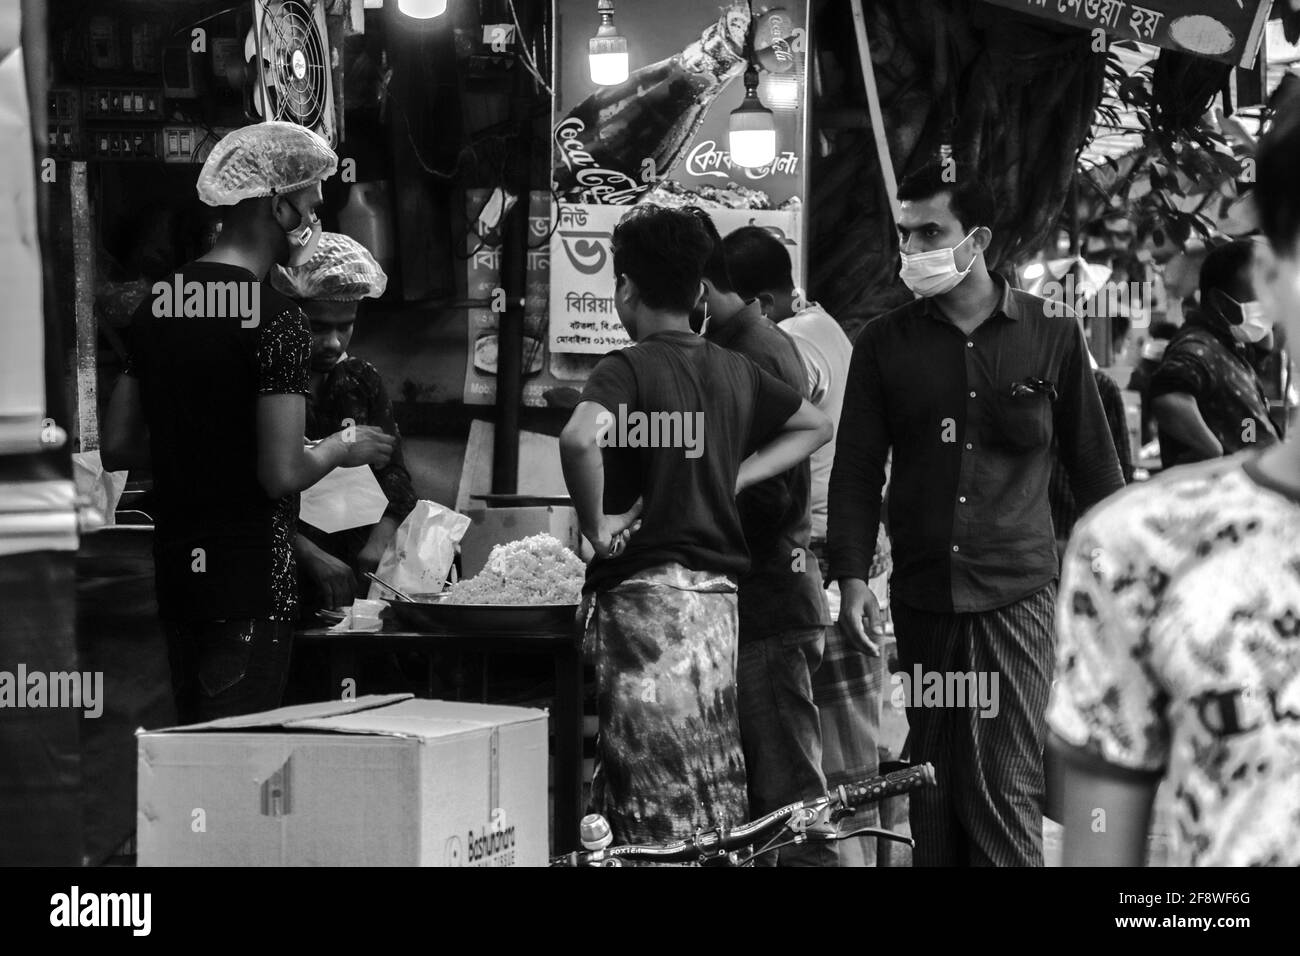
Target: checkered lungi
(849, 690)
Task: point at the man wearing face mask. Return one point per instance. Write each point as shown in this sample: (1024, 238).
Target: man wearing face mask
(1207, 399)
(968, 386)
(214, 400)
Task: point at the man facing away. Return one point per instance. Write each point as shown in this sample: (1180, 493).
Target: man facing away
(848, 686)
(214, 399)
(659, 606)
(968, 386)
(783, 612)
(1180, 629)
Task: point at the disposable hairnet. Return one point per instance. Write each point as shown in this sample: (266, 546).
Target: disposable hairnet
(264, 159)
(342, 270)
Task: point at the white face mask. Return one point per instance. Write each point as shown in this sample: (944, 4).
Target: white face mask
(303, 240)
(1255, 323)
(934, 272)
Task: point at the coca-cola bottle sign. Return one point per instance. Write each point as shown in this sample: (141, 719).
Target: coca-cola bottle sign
(662, 136)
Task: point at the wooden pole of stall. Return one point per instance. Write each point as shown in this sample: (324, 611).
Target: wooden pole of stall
(514, 268)
(873, 107)
(87, 344)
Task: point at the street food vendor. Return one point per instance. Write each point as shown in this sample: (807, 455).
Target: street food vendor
(226, 493)
(328, 288)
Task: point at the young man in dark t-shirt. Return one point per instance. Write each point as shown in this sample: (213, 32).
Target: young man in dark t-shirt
(783, 610)
(214, 400)
(665, 435)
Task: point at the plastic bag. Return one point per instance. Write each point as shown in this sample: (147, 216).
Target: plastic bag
(418, 558)
(99, 490)
(345, 498)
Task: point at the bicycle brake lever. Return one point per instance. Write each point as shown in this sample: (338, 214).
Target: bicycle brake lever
(874, 832)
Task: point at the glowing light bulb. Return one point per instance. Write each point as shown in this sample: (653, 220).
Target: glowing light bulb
(752, 131)
(607, 51)
(422, 9)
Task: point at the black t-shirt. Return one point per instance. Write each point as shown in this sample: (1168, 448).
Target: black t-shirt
(783, 589)
(222, 548)
(712, 408)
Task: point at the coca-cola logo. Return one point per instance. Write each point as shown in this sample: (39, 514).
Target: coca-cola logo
(609, 187)
(567, 138)
(706, 159)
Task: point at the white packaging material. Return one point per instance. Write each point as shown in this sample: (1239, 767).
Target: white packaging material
(345, 498)
(418, 558)
(98, 490)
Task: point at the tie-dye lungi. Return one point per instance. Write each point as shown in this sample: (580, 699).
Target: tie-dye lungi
(668, 760)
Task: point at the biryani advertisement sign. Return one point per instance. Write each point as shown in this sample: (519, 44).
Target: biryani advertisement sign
(1225, 30)
(662, 136)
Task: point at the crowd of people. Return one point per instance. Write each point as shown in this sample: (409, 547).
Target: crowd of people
(965, 447)
(1137, 636)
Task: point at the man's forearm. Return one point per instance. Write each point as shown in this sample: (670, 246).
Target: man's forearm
(304, 547)
(584, 475)
(317, 461)
(778, 456)
(1177, 414)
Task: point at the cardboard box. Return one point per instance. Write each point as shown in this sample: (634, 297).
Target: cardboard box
(377, 781)
(493, 526)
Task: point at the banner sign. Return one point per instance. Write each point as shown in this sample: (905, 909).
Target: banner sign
(541, 370)
(661, 137)
(1226, 30)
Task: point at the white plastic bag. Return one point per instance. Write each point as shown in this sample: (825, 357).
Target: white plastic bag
(418, 558)
(98, 489)
(345, 498)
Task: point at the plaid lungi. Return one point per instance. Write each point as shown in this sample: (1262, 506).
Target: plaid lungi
(849, 690)
(668, 752)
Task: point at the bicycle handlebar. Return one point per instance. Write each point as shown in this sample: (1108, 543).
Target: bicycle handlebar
(719, 841)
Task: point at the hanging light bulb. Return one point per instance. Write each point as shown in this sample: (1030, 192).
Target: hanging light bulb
(752, 132)
(422, 9)
(607, 51)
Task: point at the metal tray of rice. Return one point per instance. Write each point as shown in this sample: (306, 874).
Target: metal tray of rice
(526, 585)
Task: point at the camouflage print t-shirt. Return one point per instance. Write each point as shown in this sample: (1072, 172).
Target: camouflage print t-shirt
(1179, 655)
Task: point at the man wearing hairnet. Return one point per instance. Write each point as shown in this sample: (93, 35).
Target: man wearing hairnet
(213, 403)
(343, 388)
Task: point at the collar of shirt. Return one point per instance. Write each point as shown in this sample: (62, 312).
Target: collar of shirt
(1218, 330)
(1008, 304)
(724, 335)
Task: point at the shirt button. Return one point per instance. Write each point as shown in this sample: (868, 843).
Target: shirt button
(962, 499)
(972, 394)
(969, 446)
(970, 345)
(956, 548)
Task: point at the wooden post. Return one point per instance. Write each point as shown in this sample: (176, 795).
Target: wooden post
(83, 264)
(873, 106)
